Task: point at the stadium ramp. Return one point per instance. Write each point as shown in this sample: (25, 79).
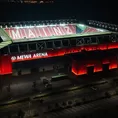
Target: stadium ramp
(5, 40)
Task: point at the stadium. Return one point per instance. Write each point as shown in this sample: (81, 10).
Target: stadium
(36, 41)
(67, 50)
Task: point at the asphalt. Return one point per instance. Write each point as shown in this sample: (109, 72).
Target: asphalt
(22, 87)
(84, 109)
(58, 98)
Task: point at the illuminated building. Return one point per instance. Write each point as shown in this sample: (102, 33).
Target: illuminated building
(29, 1)
(45, 39)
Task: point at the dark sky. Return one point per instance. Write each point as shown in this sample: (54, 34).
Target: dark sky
(82, 9)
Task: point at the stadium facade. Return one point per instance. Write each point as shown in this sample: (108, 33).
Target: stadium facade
(27, 41)
(28, 1)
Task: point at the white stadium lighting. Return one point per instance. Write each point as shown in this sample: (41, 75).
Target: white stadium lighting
(31, 26)
(41, 26)
(101, 30)
(81, 25)
(62, 24)
(103, 25)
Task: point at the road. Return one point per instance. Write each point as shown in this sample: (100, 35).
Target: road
(59, 98)
(72, 94)
(22, 86)
(84, 109)
(78, 93)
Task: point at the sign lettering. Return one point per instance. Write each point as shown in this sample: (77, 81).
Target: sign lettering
(35, 32)
(28, 56)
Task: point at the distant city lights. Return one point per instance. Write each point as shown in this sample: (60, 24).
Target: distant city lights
(31, 1)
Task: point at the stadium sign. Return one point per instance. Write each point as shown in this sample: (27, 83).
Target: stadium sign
(61, 52)
(28, 56)
(36, 32)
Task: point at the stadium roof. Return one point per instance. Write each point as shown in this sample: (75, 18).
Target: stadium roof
(4, 39)
(47, 30)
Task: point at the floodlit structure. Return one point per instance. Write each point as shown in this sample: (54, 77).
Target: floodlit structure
(24, 41)
(29, 1)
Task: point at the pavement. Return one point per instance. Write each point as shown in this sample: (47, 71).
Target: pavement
(86, 109)
(59, 98)
(21, 86)
(77, 93)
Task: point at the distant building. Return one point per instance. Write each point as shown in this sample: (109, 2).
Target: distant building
(29, 1)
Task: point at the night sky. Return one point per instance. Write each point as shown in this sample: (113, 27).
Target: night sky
(61, 9)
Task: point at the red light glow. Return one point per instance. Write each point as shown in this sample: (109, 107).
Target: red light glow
(82, 70)
(113, 63)
(81, 67)
(5, 65)
(90, 63)
(112, 45)
(74, 67)
(62, 52)
(98, 67)
(105, 61)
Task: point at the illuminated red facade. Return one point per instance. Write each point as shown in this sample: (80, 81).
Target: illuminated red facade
(44, 33)
(62, 52)
(5, 65)
(80, 67)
